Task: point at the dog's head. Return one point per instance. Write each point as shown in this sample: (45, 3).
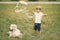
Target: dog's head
(13, 26)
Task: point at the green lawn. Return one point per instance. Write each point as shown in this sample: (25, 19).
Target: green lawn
(28, 0)
(50, 23)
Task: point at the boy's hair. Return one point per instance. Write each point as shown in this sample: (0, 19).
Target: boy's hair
(38, 8)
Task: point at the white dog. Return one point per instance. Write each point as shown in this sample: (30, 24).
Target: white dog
(14, 31)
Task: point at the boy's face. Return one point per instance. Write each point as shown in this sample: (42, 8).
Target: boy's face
(38, 9)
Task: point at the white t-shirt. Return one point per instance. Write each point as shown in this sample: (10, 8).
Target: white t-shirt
(38, 17)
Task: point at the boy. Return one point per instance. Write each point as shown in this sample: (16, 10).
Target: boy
(38, 16)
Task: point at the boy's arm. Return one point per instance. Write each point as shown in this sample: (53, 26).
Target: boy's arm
(44, 14)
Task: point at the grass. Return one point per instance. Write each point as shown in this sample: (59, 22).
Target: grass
(28, 0)
(50, 23)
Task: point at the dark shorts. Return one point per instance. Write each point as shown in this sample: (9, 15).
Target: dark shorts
(37, 26)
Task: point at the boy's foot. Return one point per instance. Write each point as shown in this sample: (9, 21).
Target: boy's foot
(39, 32)
(36, 33)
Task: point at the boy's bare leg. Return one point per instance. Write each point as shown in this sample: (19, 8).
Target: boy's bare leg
(37, 32)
